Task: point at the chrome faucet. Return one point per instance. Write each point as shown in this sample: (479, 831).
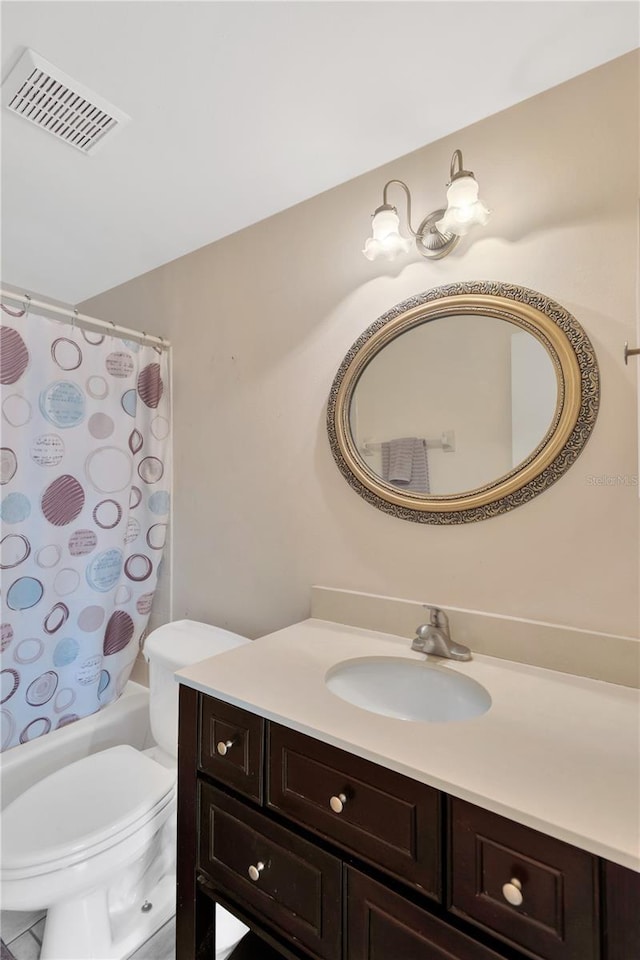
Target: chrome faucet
(433, 638)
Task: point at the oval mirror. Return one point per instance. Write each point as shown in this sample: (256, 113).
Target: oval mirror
(463, 402)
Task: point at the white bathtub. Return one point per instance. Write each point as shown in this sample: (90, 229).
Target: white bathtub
(125, 721)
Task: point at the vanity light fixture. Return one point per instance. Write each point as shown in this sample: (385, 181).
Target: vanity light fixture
(440, 231)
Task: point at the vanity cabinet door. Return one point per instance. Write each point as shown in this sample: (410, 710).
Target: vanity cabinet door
(384, 818)
(271, 873)
(383, 926)
(533, 891)
(231, 746)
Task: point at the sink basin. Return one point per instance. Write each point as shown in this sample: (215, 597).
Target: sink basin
(408, 689)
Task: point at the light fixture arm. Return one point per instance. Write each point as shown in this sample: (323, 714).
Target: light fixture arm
(460, 172)
(385, 202)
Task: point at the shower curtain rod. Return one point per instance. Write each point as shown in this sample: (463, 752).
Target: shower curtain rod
(76, 317)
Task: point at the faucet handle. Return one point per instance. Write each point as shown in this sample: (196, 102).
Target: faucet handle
(438, 618)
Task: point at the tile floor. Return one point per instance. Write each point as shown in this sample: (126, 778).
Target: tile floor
(22, 933)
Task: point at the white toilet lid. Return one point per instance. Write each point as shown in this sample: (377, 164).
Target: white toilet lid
(81, 806)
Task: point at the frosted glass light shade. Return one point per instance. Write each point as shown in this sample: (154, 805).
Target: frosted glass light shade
(464, 209)
(386, 240)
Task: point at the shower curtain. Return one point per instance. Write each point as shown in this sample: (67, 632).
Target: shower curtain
(84, 503)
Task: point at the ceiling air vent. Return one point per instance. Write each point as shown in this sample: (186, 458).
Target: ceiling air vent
(39, 92)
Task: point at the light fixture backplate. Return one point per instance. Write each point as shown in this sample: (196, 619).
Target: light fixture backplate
(431, 242)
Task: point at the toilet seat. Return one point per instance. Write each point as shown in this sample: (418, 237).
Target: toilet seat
(52, 824)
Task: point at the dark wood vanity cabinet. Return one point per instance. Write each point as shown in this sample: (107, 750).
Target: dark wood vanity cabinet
(327, 856)
(621, 908)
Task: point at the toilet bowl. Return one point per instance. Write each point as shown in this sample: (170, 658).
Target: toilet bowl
(63, 847)
(94, 842)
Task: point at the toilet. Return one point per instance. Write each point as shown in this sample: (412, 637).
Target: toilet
(95, 842)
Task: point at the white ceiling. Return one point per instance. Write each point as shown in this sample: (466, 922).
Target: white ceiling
(242, 109)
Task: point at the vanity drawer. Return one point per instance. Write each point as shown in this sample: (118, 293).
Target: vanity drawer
(231, 746)
(384, 818)
(383, 926)
(496, 863)
(297, 887)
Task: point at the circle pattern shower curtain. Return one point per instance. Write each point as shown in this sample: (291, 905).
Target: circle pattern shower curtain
(84, 502)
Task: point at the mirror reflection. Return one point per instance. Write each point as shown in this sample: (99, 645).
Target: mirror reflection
(453, 403)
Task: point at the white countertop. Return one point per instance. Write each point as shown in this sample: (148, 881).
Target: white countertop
(555, 752)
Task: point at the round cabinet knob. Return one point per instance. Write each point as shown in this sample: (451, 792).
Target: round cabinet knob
(223, 747)
(512, 892)
(337, 804)
(254, 872)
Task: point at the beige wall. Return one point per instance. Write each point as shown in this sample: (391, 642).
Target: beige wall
(261, 320)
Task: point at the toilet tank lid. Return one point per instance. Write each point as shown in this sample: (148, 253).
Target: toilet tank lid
(183, 642)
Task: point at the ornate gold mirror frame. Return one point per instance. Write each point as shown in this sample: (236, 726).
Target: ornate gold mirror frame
(576, 368)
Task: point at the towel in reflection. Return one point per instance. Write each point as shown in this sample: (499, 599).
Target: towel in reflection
(405, 464)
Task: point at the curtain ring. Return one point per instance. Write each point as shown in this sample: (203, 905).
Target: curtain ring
(19, 313)
(27, 304)
(74, 319)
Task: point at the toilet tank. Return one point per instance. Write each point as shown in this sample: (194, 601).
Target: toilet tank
(170, 648)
